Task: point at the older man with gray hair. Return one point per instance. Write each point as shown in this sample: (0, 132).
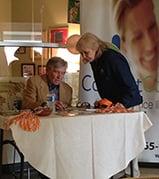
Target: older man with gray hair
(38, 87)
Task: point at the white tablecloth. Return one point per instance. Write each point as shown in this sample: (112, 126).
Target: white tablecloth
(85, 146)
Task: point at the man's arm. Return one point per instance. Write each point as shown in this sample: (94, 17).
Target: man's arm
(30, 95)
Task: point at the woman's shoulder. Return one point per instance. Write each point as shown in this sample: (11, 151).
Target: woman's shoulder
(113, 57)
(110, 51)
(114, 54)
(110, 55)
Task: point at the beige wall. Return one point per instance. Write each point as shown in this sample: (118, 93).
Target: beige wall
(26, 11)
(5, 11)
(49, 12)
(55, 13)
(5, 18)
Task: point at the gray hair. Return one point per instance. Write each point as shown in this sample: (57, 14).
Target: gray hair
(56, 62)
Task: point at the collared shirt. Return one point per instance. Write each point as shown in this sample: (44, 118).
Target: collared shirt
(54, 89)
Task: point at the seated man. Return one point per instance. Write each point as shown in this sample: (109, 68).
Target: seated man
(38, 87)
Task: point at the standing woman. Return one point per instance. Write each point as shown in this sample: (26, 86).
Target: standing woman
(111, 71)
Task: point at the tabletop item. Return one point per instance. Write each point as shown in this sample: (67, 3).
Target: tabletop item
(91, 110)
(26, 120)
(43, 111)
(103, 103)
(74, 111)
(51, 101)
(68, 113)
(117, 108)
(83, 105)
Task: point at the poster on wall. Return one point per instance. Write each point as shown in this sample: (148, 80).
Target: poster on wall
(137, 25)
(58, 35)
(74, 11)
(139, 34)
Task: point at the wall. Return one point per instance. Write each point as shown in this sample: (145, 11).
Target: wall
(5, 18)
(26, 11)
(49, 12)
(55, 13)
(5, 11)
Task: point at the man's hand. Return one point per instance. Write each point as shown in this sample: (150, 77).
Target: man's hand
(60, 105)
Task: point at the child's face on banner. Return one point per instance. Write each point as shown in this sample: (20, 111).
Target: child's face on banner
(141, 36)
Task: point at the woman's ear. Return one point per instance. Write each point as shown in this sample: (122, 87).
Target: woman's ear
(123, 46)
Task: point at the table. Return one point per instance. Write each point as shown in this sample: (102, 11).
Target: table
(13, 144)
(94, 146)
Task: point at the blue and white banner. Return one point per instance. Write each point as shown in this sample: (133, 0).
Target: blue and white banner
(137, 27)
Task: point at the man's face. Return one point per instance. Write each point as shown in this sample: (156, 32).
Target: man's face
(141, 36)
(56, 75)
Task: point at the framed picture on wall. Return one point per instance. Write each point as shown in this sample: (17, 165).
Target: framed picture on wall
(74, 11)
(27, 69)
(58, 35)
(41, 69)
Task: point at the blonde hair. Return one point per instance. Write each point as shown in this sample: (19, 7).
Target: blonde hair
(89, 40)
(120, 8)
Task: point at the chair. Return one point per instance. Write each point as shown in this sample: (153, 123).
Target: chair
(12, 143)
(131, 169)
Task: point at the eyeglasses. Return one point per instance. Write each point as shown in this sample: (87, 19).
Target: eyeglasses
(83, 105)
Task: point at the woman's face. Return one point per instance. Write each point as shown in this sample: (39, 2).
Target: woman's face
(141, 36)
(88, 55)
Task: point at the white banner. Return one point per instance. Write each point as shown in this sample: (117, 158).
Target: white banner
(138, 31)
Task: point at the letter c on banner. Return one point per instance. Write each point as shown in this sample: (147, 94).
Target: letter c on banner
(94, 86)
(84, 84)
